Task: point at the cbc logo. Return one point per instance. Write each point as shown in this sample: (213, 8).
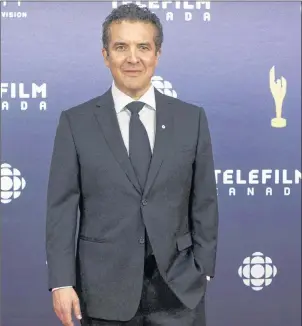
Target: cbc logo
(257, 271)
(163, 86)
(12, 183)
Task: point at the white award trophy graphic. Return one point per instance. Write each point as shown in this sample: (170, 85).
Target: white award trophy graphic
(278, 89)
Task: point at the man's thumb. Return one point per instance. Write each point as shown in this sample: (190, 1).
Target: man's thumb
(77, 309)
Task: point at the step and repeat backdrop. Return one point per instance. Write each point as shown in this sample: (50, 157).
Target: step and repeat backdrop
(241, 61)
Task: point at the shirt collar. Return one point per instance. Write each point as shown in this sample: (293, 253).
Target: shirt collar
(121, 99)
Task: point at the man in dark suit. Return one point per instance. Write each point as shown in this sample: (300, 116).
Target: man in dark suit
(139, 166)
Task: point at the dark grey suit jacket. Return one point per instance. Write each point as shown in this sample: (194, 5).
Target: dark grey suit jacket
(90, 170)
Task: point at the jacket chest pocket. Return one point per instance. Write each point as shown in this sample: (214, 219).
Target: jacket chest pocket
(184, 154)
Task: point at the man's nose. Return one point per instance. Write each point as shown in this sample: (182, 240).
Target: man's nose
(133, 57)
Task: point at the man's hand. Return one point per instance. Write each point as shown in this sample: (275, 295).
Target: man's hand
(64, 301)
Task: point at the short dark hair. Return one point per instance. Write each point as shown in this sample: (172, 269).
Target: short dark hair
(132, 12)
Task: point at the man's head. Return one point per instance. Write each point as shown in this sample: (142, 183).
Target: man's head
(132, 39)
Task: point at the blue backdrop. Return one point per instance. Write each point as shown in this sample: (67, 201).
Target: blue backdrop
(241, 61)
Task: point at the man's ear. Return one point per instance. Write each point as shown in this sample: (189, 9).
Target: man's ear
(105, 54)
(158, 54)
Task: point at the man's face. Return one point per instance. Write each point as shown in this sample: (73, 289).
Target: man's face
(132, 57)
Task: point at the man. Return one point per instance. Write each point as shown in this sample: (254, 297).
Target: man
(138, 165)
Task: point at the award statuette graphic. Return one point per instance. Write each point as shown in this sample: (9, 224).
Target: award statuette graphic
(278, 89)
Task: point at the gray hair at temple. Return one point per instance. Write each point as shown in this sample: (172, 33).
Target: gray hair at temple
(134, 13)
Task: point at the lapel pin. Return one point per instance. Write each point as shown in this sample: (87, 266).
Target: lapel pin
(163, 127)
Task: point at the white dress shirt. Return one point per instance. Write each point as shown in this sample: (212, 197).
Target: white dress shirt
(147, 116)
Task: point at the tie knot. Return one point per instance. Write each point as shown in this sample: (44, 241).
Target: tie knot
(135, 107)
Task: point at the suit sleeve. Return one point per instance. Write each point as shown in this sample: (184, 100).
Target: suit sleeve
(62, 203)
(204, 206)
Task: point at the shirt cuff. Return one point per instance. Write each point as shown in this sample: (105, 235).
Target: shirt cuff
(61, 287)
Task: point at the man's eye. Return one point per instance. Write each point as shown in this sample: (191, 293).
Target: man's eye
(144, 47)
(120, 48)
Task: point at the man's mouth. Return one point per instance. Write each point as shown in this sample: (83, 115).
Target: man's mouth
(132, 71)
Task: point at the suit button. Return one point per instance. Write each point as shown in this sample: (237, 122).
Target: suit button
(144, 202)
(142, 240)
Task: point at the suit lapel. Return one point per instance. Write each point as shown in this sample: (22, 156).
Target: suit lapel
(163, 137)
(106, 117)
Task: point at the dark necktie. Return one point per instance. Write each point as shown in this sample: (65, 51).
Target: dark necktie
(139, 146)
(139, 153)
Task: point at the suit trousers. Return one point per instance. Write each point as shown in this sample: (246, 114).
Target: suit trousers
(158, 306)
